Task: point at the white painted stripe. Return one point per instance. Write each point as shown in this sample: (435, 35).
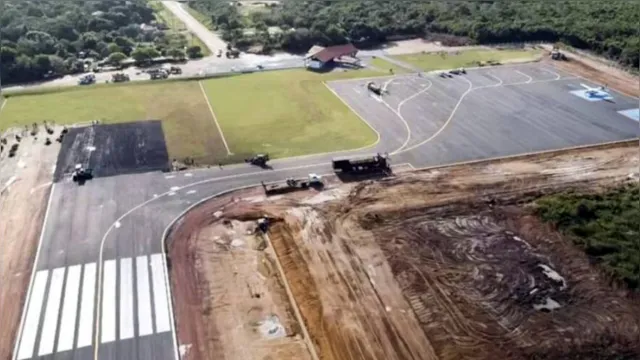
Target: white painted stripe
(69, 309)
(145, 325)
(161, 304)
(85, 327)
(30, 330)
(126, 299)
(50, 325)
(109, 302)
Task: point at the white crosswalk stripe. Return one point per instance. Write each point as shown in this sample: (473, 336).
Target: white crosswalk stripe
(62, 305)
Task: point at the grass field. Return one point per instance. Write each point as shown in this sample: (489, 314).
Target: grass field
(286, 113)
(187, 122)
(163, 15)
(384, 65)
(437, 61)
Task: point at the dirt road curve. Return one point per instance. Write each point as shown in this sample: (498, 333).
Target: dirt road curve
(213, 41)
(441, 264)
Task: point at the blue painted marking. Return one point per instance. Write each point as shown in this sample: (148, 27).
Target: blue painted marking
(583, 94)
(633, 114)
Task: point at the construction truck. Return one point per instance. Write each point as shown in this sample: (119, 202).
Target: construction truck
(158, 74)
(120, 77)
(175, 70)
(557, 55)
(362, 165)
(258, 160)
(374, 88)
(87, 80)
(81, 174)
(292, 184)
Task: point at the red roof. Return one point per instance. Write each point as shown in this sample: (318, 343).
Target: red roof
(333, 52)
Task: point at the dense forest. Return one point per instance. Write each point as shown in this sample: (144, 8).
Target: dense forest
(608, 27)
(606, 226)
(48, 38)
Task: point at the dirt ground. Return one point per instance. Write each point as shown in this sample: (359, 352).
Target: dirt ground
(599, 71)
(442, 264)
(25, 183)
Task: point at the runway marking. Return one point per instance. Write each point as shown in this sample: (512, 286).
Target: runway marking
(4, 103)
(48, 335)
(471, 89)
(523, 74)
(109, 302)
(126, 299)
(443, 126)
(358, 115)
(85, 326)
(551, 72)
(69, 309)
(145, 326)
(17, 347)
(160, 294)
(399, 112)
(30, 331)
(215, 119)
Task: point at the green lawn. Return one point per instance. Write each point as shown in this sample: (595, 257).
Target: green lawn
(165, 16)
(287, 113)
(437, 61)
(187, 122)
(384, 66)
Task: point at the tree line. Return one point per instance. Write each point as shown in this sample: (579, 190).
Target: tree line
(609, 28)
(48, 38)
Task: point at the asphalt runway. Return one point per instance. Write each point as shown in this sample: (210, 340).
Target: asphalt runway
(100, 290)
(489, 113)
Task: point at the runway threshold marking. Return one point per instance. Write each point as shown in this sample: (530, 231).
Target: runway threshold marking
(85, 326)
(160, 294)
(47, 337)
(126, 299)
(145, 326)
(215, 119)
(109, 302)
(34, 309)
(69, 309)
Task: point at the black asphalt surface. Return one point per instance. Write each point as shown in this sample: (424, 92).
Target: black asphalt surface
(487, 113)
(114, 149)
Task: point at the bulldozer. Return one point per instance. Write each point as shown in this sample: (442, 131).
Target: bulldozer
(120, 77)
(258, 160)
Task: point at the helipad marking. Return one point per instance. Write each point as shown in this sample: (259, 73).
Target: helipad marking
(633, 114)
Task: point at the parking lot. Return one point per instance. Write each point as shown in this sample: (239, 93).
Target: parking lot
(487, 113)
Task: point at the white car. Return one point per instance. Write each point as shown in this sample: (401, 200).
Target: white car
(315, 179)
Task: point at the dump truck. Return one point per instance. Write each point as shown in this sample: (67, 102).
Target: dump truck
(361, 165)
(258, 160)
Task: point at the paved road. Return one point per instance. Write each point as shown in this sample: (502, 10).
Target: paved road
(209, 38)
(100, 285)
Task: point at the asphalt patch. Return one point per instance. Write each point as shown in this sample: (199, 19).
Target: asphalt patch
(114, 149)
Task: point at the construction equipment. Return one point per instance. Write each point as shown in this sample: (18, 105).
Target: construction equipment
(81, 174)
(175, 70)
(362, 165)
(120, 77)
(459, 71)
(292, 184)
(233, 54)
(374, 88)
(557, 55)
(258, 160)
(87, 80)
